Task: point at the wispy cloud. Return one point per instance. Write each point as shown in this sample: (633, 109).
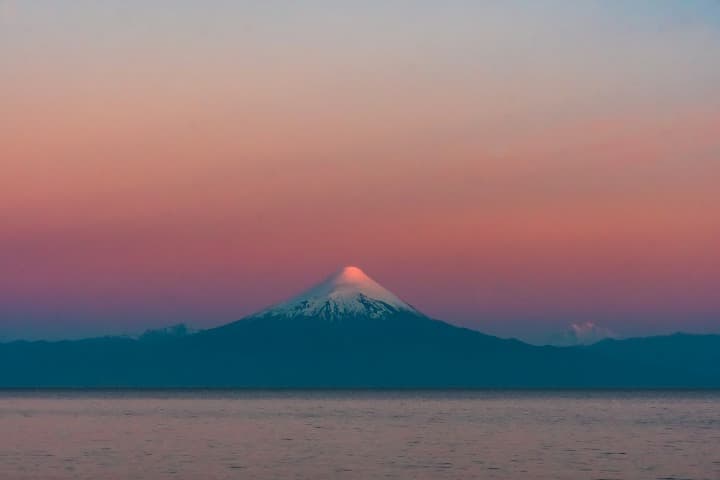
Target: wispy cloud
(585, 333)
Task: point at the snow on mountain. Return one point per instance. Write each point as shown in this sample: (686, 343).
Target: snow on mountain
(349, 292)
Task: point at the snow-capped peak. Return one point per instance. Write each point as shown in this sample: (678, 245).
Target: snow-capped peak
(348, 292)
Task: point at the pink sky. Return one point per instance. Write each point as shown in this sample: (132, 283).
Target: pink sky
(507, 168)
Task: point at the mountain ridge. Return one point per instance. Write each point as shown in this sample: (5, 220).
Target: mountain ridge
(367, 338)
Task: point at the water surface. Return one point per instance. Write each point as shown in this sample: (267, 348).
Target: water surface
(359, 435)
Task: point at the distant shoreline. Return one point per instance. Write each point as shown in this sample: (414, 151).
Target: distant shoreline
(344, 390)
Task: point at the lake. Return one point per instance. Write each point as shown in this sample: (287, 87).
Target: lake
(359, 435)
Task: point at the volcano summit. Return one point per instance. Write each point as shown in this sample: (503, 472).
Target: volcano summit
(347, 293)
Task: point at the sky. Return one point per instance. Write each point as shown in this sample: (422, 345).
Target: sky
(511, 166)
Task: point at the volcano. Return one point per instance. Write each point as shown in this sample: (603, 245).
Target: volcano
(348, 309)
(348, 331)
